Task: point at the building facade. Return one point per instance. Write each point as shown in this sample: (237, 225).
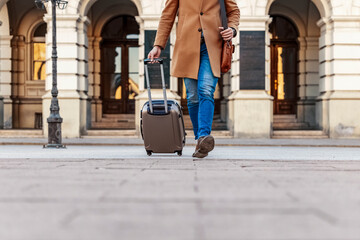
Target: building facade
(296, 66)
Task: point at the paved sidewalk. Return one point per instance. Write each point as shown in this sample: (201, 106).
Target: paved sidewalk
(134, 141)
(239, 153)
(117, 192)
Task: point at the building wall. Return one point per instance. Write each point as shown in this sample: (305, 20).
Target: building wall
(329, 66)
(22, 94)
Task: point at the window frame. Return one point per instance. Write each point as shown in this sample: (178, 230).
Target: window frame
(33, 41)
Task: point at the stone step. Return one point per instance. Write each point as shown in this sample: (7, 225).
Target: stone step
(300, 137)
(132, 133)
(299, 134)
(284, 116)
(217, 124)
(113, 125)
(119, 116)
(120, 120)
(215, 133)
(111, 122)
(285, 120)
(288, 118)
(115, 121)
(21, 133)
(110, 133)
(290, 126)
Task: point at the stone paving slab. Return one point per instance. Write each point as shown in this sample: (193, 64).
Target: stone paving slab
(117, 192)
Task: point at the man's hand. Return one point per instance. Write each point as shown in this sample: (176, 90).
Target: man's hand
(154, 53)
(227, 34)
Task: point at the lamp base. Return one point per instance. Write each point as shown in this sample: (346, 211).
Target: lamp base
(54, 138)
(54, 146)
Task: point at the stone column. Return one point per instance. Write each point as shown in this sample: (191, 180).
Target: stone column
(83, 66)
(18, 77)
(5, 82)
(308, 79)
(322, 106)
(1, 112)
(95, 78)
(339, 101)
(1, 101)
(250, 105)
(226, 91)
(72, 76)
(5, 70)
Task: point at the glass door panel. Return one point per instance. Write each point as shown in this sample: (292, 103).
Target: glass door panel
(133, 72)
(116, 79)
(111, 79)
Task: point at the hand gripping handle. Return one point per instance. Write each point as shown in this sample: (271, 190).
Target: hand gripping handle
(148, 60)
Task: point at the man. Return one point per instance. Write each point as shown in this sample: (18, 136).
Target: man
(197, 57)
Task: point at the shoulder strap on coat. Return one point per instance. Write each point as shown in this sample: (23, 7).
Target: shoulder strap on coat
(223, 14)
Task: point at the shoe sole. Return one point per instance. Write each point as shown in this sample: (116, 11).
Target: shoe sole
(198, 154)
(207, 145)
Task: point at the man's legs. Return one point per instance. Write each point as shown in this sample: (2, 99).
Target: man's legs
(200, 97)
(206, 88)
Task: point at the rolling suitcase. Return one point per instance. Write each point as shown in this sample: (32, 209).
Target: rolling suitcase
(162, 124)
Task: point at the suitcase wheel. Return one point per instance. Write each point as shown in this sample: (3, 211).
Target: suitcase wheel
(179, 153)
(149, 152)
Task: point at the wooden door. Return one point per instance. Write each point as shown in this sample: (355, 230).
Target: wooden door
(120, 65)
(120, 70)
(284, 65)
(284, 77)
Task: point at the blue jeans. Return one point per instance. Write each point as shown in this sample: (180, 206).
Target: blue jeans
(200, 96)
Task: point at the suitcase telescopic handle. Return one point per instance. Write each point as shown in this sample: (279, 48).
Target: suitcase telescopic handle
(146, 62)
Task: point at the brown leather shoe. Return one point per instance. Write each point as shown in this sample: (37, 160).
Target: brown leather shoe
(196, 152)
(204, 146)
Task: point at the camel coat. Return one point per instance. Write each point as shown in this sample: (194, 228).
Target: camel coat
(195, 16)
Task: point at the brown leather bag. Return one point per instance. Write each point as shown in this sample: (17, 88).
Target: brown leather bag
(228, 48)
(226, 56)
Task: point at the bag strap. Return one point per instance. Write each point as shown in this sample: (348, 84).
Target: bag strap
(223, 14)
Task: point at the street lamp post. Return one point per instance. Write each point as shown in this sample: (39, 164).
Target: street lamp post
(54, 120)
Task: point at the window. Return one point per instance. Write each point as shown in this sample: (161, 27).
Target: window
(39, 53)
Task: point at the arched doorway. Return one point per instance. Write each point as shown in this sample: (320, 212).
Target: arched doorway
(294, 64)
(119, 65)
(113, 37)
